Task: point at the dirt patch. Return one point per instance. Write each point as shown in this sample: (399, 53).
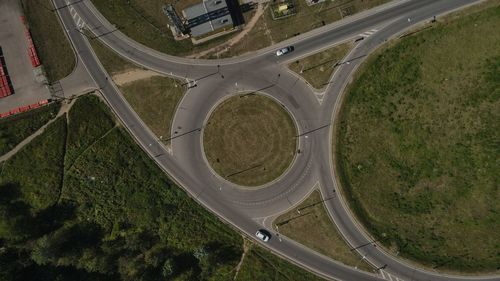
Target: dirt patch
(129, 76)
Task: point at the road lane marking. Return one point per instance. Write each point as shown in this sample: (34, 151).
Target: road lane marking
(368, 33)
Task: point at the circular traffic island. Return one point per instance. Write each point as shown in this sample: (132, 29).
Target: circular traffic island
(250, 140)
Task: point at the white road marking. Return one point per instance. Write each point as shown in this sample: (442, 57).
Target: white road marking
(368, 33)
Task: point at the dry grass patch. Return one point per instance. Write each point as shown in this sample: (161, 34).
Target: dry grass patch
(155, 99)
(250, 140)
(313, 228)
(318, 68)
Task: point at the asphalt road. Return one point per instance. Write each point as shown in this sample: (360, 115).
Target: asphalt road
(249, 210)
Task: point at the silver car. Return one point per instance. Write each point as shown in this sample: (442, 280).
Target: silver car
(283, 51)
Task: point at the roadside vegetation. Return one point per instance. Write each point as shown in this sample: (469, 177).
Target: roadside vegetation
(261, 265)
(145, 22)
(152, 96)
(313, 228)
(317, 69)
(52, 46)
(268, 31)
(110, 215)
(42, 157)
(15, 129)
(417, 144)
(250, 140)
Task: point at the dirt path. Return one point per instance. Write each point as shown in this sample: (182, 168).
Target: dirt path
(121, 79)
(248, 27)
(65, 107)
(245, 251)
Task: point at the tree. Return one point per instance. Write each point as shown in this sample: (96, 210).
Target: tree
(168, 268)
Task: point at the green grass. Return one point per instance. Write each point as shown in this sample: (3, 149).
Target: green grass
(417, 144)
(52, 46)
(318, 68)
(144, 21)
(314, 229)
(15, 129)
(154, 99)
(83, 132)
(37, 167)
(261, 265)
(250, 140)
(118, 217)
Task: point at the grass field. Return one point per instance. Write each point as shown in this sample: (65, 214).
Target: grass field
(313, 228)
(84, 133)
(111, 215)
(51, 43)
(15, 129)
(250, 140)
(154, 99)
(37, 167)
(417, 144)
(318, 68)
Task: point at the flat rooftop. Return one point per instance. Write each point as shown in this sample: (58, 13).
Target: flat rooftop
(204, 8)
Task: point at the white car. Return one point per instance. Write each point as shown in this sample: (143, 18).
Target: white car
(263, 235)
(283, 51)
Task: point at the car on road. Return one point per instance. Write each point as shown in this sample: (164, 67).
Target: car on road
(263, 235)
(283, 51)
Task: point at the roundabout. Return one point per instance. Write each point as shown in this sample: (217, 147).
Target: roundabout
(250, 140)
(249, 210)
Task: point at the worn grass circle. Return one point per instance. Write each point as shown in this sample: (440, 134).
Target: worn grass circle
(250, 140)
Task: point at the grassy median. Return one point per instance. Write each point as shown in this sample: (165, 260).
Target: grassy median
(152, 96)
(313, 228)
(417, 143)
(250, 140)
(52, 46)
(318, 68)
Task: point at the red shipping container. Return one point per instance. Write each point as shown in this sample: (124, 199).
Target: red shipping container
(35, 105)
